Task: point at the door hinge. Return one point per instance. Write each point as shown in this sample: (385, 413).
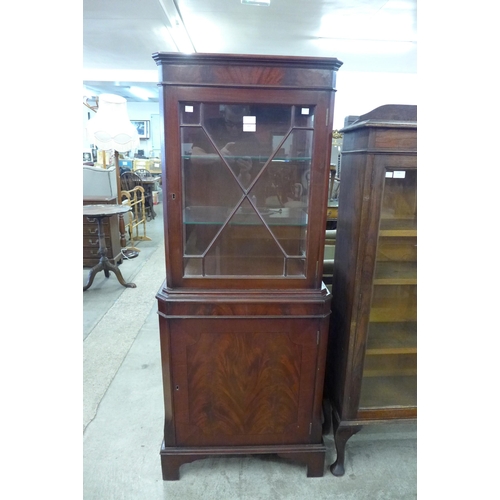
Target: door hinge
(310, 428)
(317, 337)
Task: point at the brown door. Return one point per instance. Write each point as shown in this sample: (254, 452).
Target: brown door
(243, 381)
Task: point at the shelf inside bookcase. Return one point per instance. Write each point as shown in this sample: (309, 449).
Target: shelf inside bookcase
(386, 392)
(392, 338)
(398, 227)
(393, 309)
(395, 273)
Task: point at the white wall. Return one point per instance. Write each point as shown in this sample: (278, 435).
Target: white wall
(358, 93)
(144, 111)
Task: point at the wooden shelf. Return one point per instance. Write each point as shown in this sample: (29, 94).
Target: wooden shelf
(395, 273)
(392, 338)
(398, 227)
(390, 365)
(397, 249)
(391, 309)
(387, 372)
(384, 392)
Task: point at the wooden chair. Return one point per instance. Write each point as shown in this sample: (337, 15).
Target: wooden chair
(129, 180)
(143, 173)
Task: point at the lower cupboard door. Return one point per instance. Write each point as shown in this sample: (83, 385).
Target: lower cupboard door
(243, 381)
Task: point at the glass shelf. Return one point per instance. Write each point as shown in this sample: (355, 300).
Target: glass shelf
(260, 159)
(245, 216)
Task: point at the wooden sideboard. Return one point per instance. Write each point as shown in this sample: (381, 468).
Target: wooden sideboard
(90, 235)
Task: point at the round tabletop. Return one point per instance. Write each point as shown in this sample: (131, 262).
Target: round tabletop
(104, 210)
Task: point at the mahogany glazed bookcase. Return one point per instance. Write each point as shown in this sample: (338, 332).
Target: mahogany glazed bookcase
(371, 373)
(243, 311)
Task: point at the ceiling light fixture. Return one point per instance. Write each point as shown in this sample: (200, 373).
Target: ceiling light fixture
(139, 92)
(262, 3)
(176, 28)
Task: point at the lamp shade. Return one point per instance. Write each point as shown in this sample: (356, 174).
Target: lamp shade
(110, 128)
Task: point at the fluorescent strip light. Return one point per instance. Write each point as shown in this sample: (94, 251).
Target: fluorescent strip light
(181, 39)
(176, 29)
(262, 3)
(141, 93)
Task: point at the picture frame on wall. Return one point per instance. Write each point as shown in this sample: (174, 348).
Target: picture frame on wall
(142, 127)
(87, 155)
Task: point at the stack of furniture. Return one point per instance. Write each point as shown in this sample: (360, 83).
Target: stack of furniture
(155, 166)
(99, 188)
(371, 371)
(142, 163)
(243, 311)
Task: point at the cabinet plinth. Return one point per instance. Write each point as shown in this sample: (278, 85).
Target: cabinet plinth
(243, 312)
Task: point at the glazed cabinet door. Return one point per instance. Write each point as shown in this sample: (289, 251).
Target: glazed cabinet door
(250, 172)
(390, 367)
(244, 381)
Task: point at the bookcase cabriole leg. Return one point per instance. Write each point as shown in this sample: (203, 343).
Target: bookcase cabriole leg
(341, 436)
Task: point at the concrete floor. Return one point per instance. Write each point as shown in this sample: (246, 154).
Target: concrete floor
(123, 415)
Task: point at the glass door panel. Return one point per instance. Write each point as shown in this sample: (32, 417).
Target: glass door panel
(390, 370)
(245, 173)
(246, 246)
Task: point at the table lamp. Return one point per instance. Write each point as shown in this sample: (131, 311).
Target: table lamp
(111, 128)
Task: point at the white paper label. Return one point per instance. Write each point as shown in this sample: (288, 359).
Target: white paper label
(249, 124)
(305, 111)
(399, 174)
(388, 174)
(188, 109)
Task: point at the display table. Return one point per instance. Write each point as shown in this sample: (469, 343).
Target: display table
(112, 233)
(100, 212)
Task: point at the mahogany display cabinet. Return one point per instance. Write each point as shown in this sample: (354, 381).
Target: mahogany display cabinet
(243, 311)
(371, 373)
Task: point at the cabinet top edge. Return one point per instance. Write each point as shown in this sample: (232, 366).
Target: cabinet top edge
(331, 63)
(388, 116)
(379, 124)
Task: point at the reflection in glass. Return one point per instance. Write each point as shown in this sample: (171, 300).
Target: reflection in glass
(245, 172)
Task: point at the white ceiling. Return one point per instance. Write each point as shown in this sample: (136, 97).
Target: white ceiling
(119, 36)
